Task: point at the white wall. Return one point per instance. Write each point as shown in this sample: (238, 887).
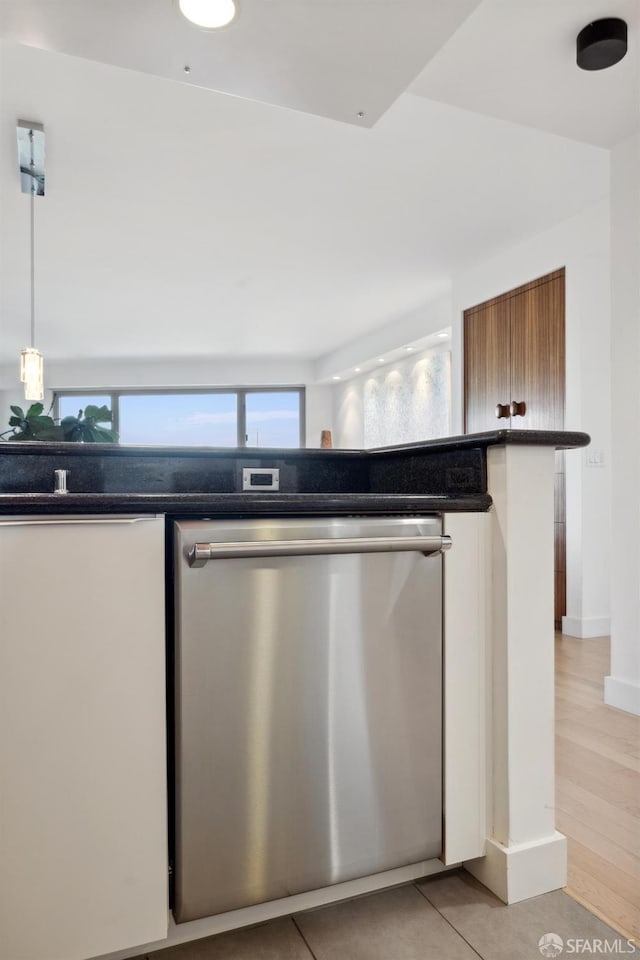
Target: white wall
(319, 401)
(195, 372)
(399, 403)
(403, 329)
(348, 397)
(581, 245)
(348, 414)
(622, 687)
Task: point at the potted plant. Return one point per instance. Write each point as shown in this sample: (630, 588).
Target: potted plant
(34, 424)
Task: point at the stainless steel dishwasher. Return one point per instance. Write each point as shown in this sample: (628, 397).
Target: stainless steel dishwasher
(308, 705)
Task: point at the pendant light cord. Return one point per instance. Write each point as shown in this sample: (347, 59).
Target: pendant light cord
(32, 244)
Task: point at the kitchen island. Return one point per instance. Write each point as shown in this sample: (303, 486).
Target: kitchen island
(494, 493)
(445, 474)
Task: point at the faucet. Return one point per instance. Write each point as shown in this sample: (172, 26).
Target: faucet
(60, 481)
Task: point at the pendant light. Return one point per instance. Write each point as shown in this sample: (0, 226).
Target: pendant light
(31, 158)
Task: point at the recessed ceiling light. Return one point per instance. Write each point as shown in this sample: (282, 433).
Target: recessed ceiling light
(409, 349)
(336, 378)
(380, 359)
(443, 336)
(357, 369)
(210, 14)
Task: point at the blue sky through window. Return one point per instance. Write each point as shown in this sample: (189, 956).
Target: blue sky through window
(273, 419)
(207, 419)
(70, 405)
(179, 419)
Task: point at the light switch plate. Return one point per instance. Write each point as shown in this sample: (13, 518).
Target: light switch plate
(595, 458)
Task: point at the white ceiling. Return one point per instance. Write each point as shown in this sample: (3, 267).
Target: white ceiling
(515, 59)
(183, 222)
(336, 58)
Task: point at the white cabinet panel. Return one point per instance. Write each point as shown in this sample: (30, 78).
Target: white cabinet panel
(467, 629)
(83, 849)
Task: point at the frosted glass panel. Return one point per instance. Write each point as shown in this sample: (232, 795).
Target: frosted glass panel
(408, 401)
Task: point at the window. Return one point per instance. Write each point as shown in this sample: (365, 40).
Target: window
(272, 419)
(179, 419)
(242, 417)
(68, 405)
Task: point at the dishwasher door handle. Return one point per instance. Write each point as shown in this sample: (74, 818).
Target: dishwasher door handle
(200, 553)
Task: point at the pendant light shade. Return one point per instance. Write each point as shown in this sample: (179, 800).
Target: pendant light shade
(32, 373)
(31, 160)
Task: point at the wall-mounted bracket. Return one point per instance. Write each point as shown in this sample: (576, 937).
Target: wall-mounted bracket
(31, 157)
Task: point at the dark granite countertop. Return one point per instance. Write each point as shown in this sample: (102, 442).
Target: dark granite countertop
(436, 475)
(560, 439)
(239, 504)
(225, 453)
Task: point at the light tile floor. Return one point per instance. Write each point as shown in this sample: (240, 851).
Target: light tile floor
(597, 786)
(450, 916)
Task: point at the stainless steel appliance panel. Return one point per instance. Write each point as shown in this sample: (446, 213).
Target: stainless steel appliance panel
(308, 712)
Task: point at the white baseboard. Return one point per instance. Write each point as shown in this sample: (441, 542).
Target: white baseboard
(523, 870)
(260, 912)
(622, 694)
(586, 628)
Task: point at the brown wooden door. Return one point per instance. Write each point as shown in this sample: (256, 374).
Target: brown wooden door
(537, 355)
(514, 352)
(487, 365)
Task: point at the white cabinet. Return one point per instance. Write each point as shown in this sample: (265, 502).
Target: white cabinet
(83, 822)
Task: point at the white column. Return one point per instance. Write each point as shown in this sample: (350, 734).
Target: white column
(524, 854)
(622, 687)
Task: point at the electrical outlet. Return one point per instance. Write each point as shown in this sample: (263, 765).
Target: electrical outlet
(595, 458)
(260, 479)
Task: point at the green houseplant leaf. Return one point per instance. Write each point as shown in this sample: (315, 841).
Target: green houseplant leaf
(87, 427)
(32, 425)
(98, 414)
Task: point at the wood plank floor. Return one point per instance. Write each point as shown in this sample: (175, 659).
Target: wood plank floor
(597, 786)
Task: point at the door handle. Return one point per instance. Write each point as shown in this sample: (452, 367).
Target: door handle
(96, 520)
(200, 553)
(518, 408)
(503, 410)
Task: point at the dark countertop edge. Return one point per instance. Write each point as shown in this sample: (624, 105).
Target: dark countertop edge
(236, 453)
(241, 504)
(560, 439)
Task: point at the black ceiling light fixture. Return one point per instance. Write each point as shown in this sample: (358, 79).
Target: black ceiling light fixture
(601, 44)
